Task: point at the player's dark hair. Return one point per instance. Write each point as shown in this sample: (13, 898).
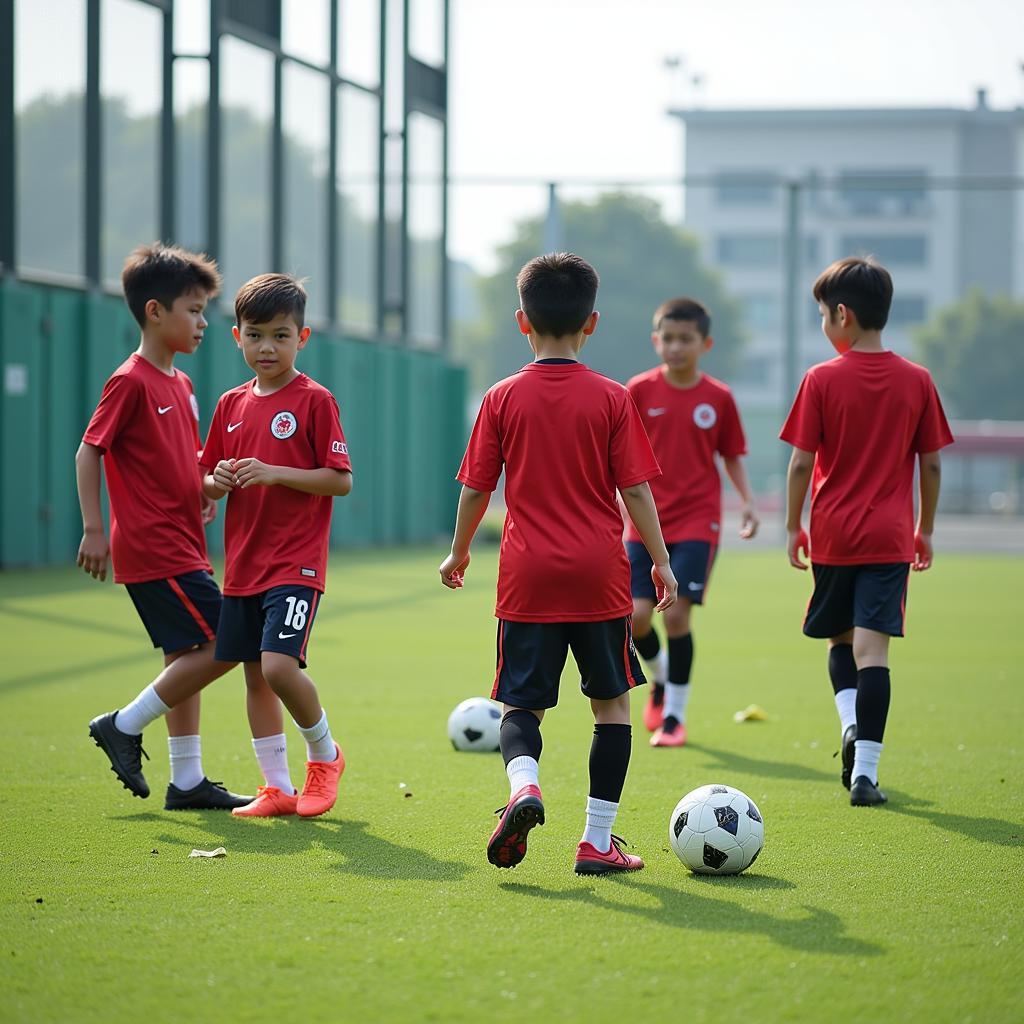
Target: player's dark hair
(557, 293)
(863, 285)
(683, 308)
(268, 296)
(165, 272)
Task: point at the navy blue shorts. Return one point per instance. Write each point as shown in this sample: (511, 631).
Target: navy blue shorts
(531, 656)
(180, 612)
(278, 620)
(870, 596)
(691, 561)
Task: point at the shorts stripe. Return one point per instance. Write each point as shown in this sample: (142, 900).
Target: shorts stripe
(501, 659)
(309, 625)
(191, 608)
(631, 680)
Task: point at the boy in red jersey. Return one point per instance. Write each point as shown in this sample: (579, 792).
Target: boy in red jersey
(690, 417)
(276, 448)
(859, 422)
(145, 434)
(566, 438)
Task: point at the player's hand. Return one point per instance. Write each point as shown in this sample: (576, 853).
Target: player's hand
(665, 586)
(252, 472)
(224, 475)
(796, 541)
(93, 553)
(453, 571)
(209, 507)
(749, 521)
(923, 552)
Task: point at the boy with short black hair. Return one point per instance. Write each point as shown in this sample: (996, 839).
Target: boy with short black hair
(566, 438)
(859, 422)
(690, 418)
(145, 434)
(276, 448)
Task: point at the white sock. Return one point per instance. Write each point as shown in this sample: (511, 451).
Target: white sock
(272, 755)
(600, 819)
(846, 705)
(865, 759)
(319, 741)
(186, 761)
(522, 771)
(146, 708)
(677, 696)
(658, 667)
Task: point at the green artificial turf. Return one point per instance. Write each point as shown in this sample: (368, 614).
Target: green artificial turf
(387, 910)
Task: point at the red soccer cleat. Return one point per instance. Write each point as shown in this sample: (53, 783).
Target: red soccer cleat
(507, 845)
(670, 737)
(321, 789)
(653, 707)
(270, 802)
(591, 861)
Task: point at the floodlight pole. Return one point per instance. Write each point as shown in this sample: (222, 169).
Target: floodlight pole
(790, 308)
(553, 235)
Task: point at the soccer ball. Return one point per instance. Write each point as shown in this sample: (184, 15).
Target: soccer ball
(474, 725)
(716, 830)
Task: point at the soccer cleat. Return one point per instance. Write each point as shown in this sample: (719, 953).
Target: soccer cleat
(671, 734)
(652, 709)
(507, 845)
(864, 793)
(124, 752)
(321, 789)
(591, 861)
(848, 750)
(269, 802)
(207, 796)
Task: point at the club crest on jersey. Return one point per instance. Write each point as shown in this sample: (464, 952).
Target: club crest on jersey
(705, 416)
(283, 425)
(194, 405)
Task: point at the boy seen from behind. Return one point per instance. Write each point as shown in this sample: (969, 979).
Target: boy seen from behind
(566, 438)
(858, 424)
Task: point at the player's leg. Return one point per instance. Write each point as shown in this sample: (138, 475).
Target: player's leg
(842, 672)
(645, 637)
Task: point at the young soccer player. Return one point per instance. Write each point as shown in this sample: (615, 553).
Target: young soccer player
(858, 423)
(276, 448)
(566, 438)
(690, 417)
(145, 434)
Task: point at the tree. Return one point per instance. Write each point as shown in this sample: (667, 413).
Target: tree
(642, 261)
(975, 350)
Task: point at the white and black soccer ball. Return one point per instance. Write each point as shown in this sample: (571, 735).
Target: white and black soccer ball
(475, 724)
(716, 830)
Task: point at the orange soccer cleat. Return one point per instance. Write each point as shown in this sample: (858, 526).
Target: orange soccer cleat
(320, 792)
(270, 802)
(591, 861)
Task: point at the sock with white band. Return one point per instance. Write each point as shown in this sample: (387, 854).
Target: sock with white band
(146, 708)
(186, 761)
(272, 755)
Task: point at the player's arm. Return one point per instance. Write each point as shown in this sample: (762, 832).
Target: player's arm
(930, 479)
(472, 506)
(94, 549)
(323, 480)
(798, 478)
(640, 505)
(737, 473)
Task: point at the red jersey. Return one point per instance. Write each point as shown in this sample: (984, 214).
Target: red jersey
(146, 426)
(276, 536)
(567, 437)
(687, 426)
(865, 415)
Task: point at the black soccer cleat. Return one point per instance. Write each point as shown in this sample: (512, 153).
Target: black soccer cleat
(848, 750)
(125, 753)
(207, 796)
(864, 793)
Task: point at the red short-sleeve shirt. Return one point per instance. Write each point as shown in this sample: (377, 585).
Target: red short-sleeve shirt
(146, 426)
(865, 415)
(566, 437)
(276, 536)
(687, 428)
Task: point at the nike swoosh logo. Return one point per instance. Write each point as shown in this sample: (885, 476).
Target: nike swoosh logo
(234, 426)
(695, 586)
(164, 408)
(285, 636)
(656, 412)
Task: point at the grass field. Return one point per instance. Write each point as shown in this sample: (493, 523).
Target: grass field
(386, 910)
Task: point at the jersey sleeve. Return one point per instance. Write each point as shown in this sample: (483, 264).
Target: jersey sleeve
(327, 438)
(632, 458)
(213, 451)
(731, 439)
(803, 426)
(118, 404)
(483, 461)
(933, 430)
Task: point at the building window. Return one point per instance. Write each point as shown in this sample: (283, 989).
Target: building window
(754, 371)
(907, 310)
(745, 188)
(902, 250)
(426, 31)
(191, 113)
(754, 250)
(359, 41)
(306, 30)
(885, 192)
(763, 311)
(426, 228)
(192, 27)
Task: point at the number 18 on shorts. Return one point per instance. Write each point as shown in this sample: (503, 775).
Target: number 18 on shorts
(278, 620)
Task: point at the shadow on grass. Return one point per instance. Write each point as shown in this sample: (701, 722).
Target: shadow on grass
(985, 830)
(733, 761)
(818, 931)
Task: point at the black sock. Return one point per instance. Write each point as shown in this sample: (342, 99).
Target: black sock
(872, 703)
(680, 659)
(520, 735)
(609, 760)
(648, 645)
(842, 669)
